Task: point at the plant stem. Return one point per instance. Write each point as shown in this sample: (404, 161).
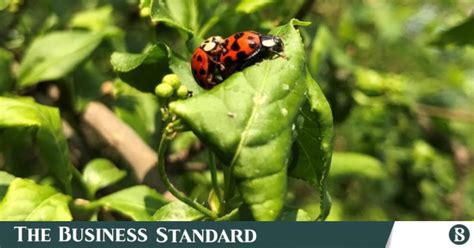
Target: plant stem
(208, 25)
(230, 216)
(164, 142)
(215, 183)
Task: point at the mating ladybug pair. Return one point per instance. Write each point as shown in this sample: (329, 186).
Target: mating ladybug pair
(217, 58)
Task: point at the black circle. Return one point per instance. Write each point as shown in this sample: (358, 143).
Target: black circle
(459, 234)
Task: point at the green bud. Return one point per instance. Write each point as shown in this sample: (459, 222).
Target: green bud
(164, 90)
(145, 12)
(171, 79)
(182, 92)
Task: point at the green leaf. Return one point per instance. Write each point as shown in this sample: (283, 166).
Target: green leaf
(294, 214)
(248, 121)
(144, 71)
(6, 78)
(100, 173)
(27, 201)
(356, 164)
(177, 211)
(138, 202)
(461, 34)
(126, 62)
(141, 111)
(250, 6)
(4, 4)
(95, 19)
(181, 14)
(5, 180)
(55, 55)
(44, 124)
(314, 143)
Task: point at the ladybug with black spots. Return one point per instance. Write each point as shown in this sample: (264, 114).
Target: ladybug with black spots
(205, 62)
(243, 49)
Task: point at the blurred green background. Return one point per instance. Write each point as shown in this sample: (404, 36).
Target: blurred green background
(399, 76)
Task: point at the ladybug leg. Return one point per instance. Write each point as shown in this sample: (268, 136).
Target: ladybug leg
(221, 66)
(279, 54)
(212, 80)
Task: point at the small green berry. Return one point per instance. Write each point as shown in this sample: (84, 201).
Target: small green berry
(182, 92)
(171, 79)
(145, 12)
(164, 90)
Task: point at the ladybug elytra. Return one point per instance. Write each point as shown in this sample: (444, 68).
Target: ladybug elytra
(205, 61)
(246, 48)
(216, 59)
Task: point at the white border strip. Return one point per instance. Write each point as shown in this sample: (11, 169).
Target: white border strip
(432, 234)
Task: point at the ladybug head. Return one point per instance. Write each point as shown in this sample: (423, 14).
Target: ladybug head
(272, 42)
(213, 45)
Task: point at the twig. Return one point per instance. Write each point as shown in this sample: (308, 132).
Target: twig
(447, 113)
(462, 158)
(121, 138)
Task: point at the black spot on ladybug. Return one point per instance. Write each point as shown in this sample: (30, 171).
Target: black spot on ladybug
(202, 72)
(194, 72)
(251, 38)
(199, 58)
(241, 55)
(252, 44)
(228, 61)
(238, 35)
(235, 46)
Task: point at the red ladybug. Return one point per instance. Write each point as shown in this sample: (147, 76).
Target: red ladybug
(246, 48)
(205, 62)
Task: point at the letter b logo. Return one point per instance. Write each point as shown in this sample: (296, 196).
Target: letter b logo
(459, 234)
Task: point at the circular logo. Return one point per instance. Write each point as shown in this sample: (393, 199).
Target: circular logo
(459, 234)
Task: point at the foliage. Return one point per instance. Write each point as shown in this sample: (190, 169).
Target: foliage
(387, 85)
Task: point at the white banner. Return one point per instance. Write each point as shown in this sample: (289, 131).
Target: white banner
(432, 234)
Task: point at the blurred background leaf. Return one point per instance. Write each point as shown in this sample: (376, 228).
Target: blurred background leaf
(461, 34)
(138, 203)
(38, 203)
(42, 63)
(100, 173)
(23, 119)
(177, 211)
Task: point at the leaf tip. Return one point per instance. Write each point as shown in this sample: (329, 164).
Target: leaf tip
(296, 22)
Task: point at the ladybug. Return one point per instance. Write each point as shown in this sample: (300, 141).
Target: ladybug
(205, 62)
(246, 48)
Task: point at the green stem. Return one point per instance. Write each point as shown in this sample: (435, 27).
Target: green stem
(164, 142)
(215, 183)
(230, 216)
(208, 25)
